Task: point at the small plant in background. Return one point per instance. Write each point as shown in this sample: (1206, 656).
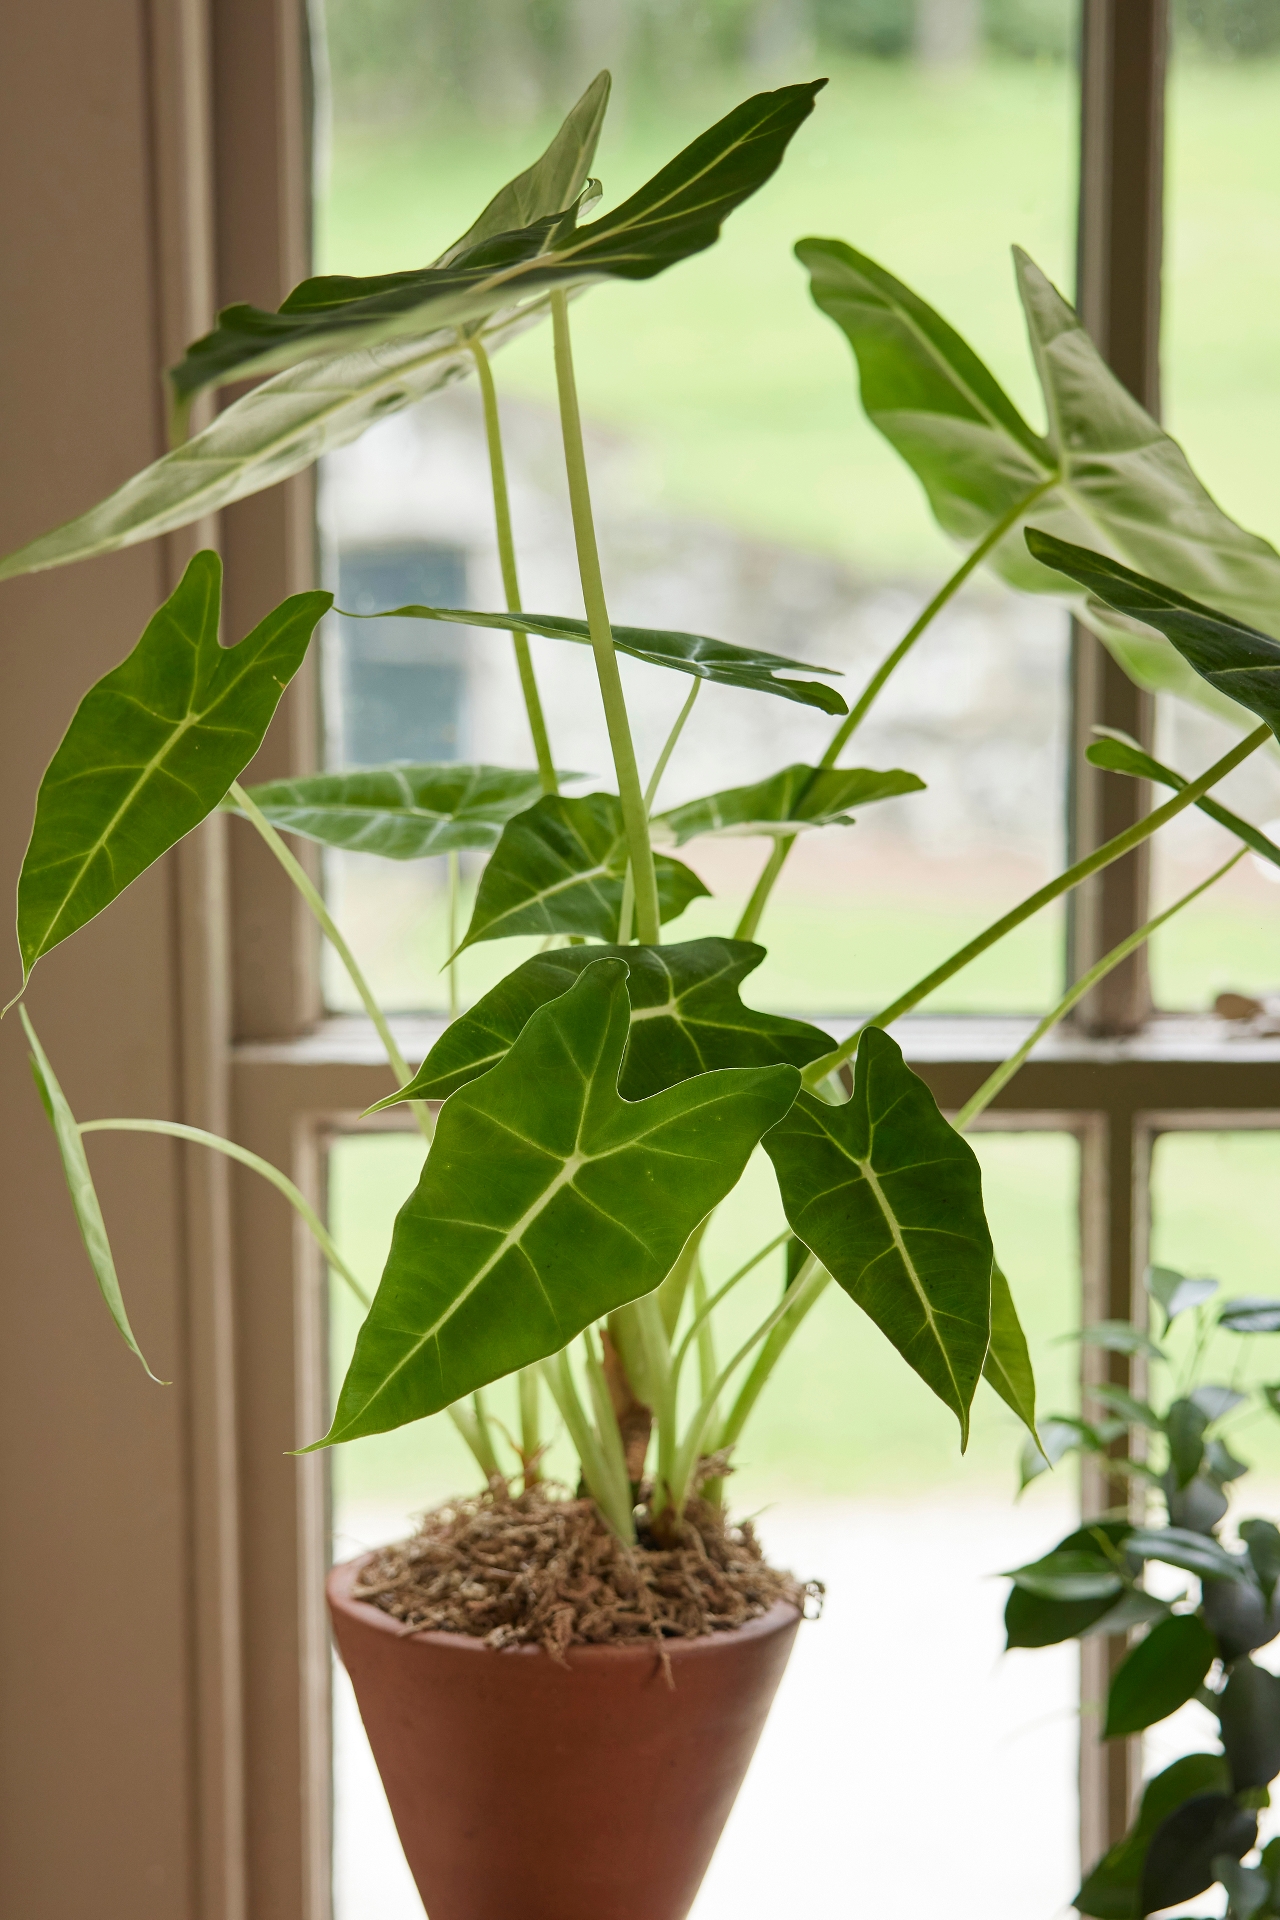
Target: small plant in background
(1198, 1819)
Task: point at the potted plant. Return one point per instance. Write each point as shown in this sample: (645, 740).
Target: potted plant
(585, 1676)
(1198, 1818)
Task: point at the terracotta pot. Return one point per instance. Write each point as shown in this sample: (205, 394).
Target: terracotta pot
(524, 1790)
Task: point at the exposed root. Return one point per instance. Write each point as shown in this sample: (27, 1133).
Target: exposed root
(528, 1568)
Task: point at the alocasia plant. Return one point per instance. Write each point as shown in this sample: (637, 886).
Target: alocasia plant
(589, 1113)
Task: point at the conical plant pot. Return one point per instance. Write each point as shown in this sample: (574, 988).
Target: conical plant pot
(526, 1790)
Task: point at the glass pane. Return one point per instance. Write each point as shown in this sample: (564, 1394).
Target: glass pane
(739, 490)
(856, 1476)
(1213, 1213)
(1222, 400)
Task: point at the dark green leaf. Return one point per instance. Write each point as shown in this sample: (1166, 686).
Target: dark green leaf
(151, 751)
(546, 1202)
(1117, 479)
(677, 213)
(1159, 1675)
(1262, 1542)
(84, 1196)
(1007, 1366)
(786, 803)
(1271, 1394)
(1248, 1888)
(1237, 1616)
(1198, 1507)
(693, 653)
(1119, 754)
(1175, 1291)
(1057, 1437)
(404, 811)
(1031, 1621)
(1214, 1401)
(1251, 1313)
(1078, 1573)
(1221, 1464)
(559, 868)
(1248, 1709)
(796, 1256)
(1134, 1412)
(1193, 1552)
(889, 1198)
(1236, 660)
(686, 1018)
(1179, 1859)
(1117, 1336)
(1185, 1423)
(1112, 1890)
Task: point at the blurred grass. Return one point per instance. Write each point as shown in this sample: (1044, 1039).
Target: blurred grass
(842, 1414)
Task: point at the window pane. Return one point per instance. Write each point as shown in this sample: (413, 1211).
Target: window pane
(1221, 384)
(739, 490)
(857, 1478)
(1213, 1212)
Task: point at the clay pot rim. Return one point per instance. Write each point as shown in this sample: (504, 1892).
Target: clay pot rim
(342, 1578)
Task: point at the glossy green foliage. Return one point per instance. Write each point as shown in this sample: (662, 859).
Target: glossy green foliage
(1176, 1292)
(686, 1016)
(1117, 479)
(677, 213)
(1248, 1709)
(1251, 1313)
(1007, 1367)
(1112, 1891)
(1159, 1675)
(1236, 660)
(787, 802)
(559, 868)
(84, 1198)
(546, 1201)
(1117, 753)
(1262, 1544)
(1182, 1854)
(354, 352)
(889, 1198)
(151, 751)
(403, 812)
(1185, 1425)
(1039, 1613)
(1183, 1547)
(694, 653)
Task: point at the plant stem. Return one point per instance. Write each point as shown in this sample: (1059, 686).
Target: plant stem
(453, 934)
(559, 1378)
(615, 1455)
(627, 911)
(311, 894)
(708, 1306)
(810, 1279)
(670, 1295)
(1102, 856)
(986, 1093)
(634, 813)
(669, 747)
(875, 685)
(478, 1439)
(530, 1425)
(767, 1359)
(507, 560)
(298, 1201)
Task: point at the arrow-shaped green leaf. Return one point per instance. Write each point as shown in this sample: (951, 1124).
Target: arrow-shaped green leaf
(84, 1198)
(355, 351)
(693, 653)
(889, 1198)
(1115, 478)
(546, 1202)
(786, 803)
(686, 1018)
(1236, 660)
(559, 868)
(404, 811)
(152, 749)
(677, 213)
(1007, 1366)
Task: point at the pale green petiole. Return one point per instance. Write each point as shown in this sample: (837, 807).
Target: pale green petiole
(297, 1200)
(986, 1093)
(591, 1458)
(870, 693)
(477, 1438)
(635, 817)
(669, 747)
(709, 1305)
(507, 561)
(454, 874)
(530, 1424)
(315, 900)
(768, 1358)
(1102, 856)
